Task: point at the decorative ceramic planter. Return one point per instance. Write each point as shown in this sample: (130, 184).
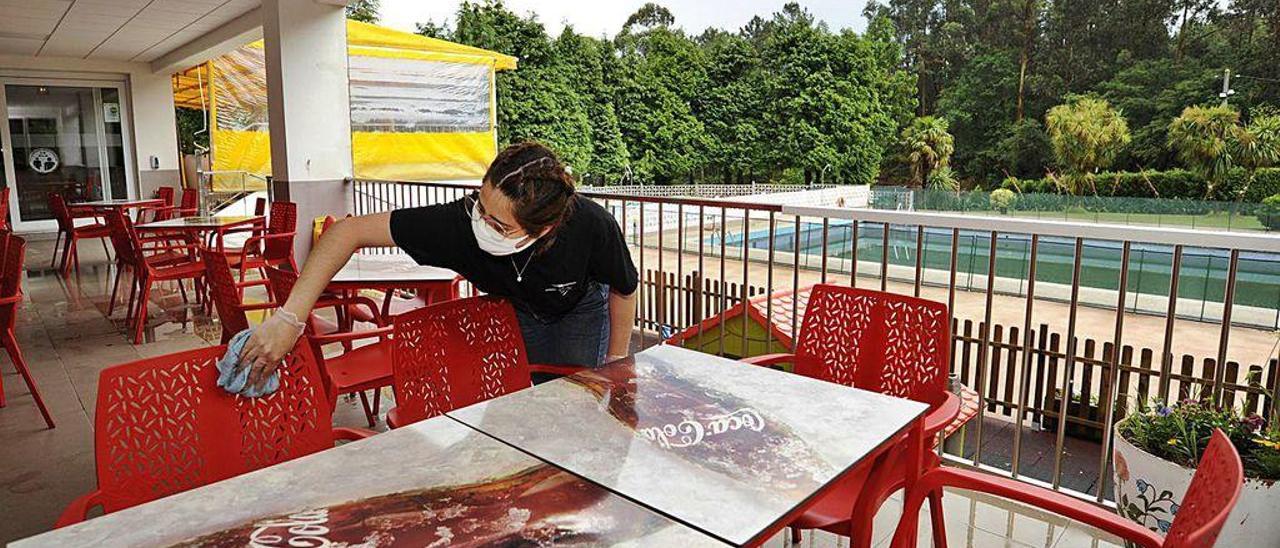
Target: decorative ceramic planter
(1149, 490)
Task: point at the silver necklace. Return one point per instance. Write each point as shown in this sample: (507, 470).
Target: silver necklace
(520, 270)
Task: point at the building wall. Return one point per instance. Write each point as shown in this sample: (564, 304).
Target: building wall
(150, 103)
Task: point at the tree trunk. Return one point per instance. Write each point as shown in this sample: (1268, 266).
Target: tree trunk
(1182, 31)
(1028, 39)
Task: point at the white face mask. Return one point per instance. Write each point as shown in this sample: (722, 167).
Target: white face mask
(493, 242)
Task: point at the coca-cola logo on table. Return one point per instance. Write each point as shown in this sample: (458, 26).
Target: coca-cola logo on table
(690, 432)
(302, 530)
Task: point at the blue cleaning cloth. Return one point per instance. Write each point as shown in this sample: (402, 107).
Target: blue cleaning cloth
(234, 381)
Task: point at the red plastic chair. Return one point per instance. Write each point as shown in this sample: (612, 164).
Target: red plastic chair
(883, 342)
(121, 245)
(163, 426)
(189, 205)
(456, 353)
(69, 235)
(226, 295)
(274, 248)
(1213, 493)
(177, 263)
(14, 253)
(356, 370)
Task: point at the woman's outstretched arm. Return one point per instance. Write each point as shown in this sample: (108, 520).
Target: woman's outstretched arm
(276, 336)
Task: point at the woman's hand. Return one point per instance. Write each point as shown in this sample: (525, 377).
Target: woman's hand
(268, 345)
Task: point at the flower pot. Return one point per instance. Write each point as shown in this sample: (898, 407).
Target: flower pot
(1149, 490)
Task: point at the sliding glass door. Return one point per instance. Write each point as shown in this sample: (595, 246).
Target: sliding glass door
(64, 139)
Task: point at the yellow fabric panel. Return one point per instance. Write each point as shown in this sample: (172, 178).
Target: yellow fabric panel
(366, 36)
(240, 150)
(422, 156)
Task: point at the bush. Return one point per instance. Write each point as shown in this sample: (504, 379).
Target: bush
(1269, 212)
(1002, 199)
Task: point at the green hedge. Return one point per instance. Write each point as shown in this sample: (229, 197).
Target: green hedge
(1171, 184)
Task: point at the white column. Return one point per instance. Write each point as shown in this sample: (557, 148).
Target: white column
(155, 132)
(309, 108)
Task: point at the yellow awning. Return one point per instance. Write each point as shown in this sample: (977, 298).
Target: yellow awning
(362, 39)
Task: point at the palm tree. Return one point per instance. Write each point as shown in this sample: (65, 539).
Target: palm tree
(1203, 138)
(1257, 145)
(1086, 134)
(928, 146)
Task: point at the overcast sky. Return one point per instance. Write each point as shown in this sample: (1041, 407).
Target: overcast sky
(596, 17)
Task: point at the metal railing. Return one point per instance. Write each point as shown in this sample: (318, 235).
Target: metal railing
(1057, 326)
(242, 183)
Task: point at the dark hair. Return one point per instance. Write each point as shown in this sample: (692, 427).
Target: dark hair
(538, 185)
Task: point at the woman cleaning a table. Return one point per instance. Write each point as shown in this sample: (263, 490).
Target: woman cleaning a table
(525, 235)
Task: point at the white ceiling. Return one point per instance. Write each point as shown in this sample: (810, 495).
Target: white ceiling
(118, 30)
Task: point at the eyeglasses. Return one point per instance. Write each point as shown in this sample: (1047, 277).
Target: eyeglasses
(478, 208)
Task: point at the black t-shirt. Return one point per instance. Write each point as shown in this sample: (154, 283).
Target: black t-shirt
(588, 249)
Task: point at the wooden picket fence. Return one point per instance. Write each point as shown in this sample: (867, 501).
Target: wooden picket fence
(672, 304)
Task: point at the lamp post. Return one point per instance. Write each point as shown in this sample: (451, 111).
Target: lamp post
(822, 175)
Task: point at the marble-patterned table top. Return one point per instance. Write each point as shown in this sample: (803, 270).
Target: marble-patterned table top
(365, 269)
(721, 446)
(435, 483)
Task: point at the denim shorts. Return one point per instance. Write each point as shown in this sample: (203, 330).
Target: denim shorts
(580, 337)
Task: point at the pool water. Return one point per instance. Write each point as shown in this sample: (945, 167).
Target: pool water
(1203, 272)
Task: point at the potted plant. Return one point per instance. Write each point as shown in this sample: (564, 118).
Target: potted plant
(1156, 453)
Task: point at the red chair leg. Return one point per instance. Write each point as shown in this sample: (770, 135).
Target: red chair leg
(68, 247)
(11, 346)
(368, 412)
(796, 536)
(937, 520)
(53, 257)
(140, 322)
(133, 294)
(115, 289)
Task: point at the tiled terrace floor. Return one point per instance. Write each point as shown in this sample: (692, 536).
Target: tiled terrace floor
(67, 339)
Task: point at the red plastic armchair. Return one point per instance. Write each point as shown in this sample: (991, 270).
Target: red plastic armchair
(1213, 493)
(152, 264)
(272, 248)
(13, 250)
(456, 353)
(883, 342)
(70, 234)
(356, 370)
(206, 434)
(232, 310)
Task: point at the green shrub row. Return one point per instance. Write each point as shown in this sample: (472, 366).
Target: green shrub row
(1174, 183)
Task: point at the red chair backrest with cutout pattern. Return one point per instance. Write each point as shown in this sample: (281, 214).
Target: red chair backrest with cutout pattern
(165, 194)
(61, 213)
(190, 200)
(164, 426)
(884, 342)
(121, 242)
(283, 220)
(1214, 491)
(456, 353)
(226, 298)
